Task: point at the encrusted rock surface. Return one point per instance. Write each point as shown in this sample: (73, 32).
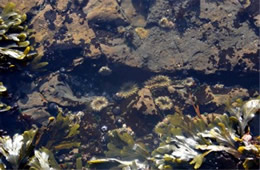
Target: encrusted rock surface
(145, 102)
(207, 36)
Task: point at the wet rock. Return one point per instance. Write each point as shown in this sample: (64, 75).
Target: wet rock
(145, 102)
(104, 12)
(119, 54)
(207, 37)
(24, 5)
(32, 100)
(58, 92)
(134, 11)
(37, 115)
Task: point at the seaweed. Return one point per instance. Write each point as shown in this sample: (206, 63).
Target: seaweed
(15, 40)
(2, 88)
(61, 133)
(13, 35)
(43, 159)
(21, 151)
(4, 107)
(17, 149)
(122, 144)
(187, 140)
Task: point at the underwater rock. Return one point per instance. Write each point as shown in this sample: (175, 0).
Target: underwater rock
(199, 26)
(134, 11)
(33, 106)
(36, 115)
(59, 92)
(32, 100)
(201, 37)
(145, 103)
(119, 52)
(104, 12)
(24, 5)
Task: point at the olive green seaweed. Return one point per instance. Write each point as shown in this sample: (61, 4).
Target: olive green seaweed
(187, 140)
(122, 144)
(43, 159)
(62, 133)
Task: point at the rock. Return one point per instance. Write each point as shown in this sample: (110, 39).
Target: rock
(32, 100)
(23, 6)
(58, 92)
(119, 54)
(145, 102)
(134, 11)
(38, 115)
(104, 12)
(206, 37)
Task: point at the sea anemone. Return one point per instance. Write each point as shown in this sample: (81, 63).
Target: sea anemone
(163, 102)
(98, 103)
(128, 89)
(156, 82)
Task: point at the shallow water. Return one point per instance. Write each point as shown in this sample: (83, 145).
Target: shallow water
(196, 53)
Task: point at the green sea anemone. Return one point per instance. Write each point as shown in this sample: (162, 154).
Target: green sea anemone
(128, 89)
(163, 102)
(99, 103)
(156, 82)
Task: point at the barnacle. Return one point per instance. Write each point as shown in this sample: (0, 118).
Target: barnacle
(163, 102)
(99, 103)
(156, 82)
(128, 89)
